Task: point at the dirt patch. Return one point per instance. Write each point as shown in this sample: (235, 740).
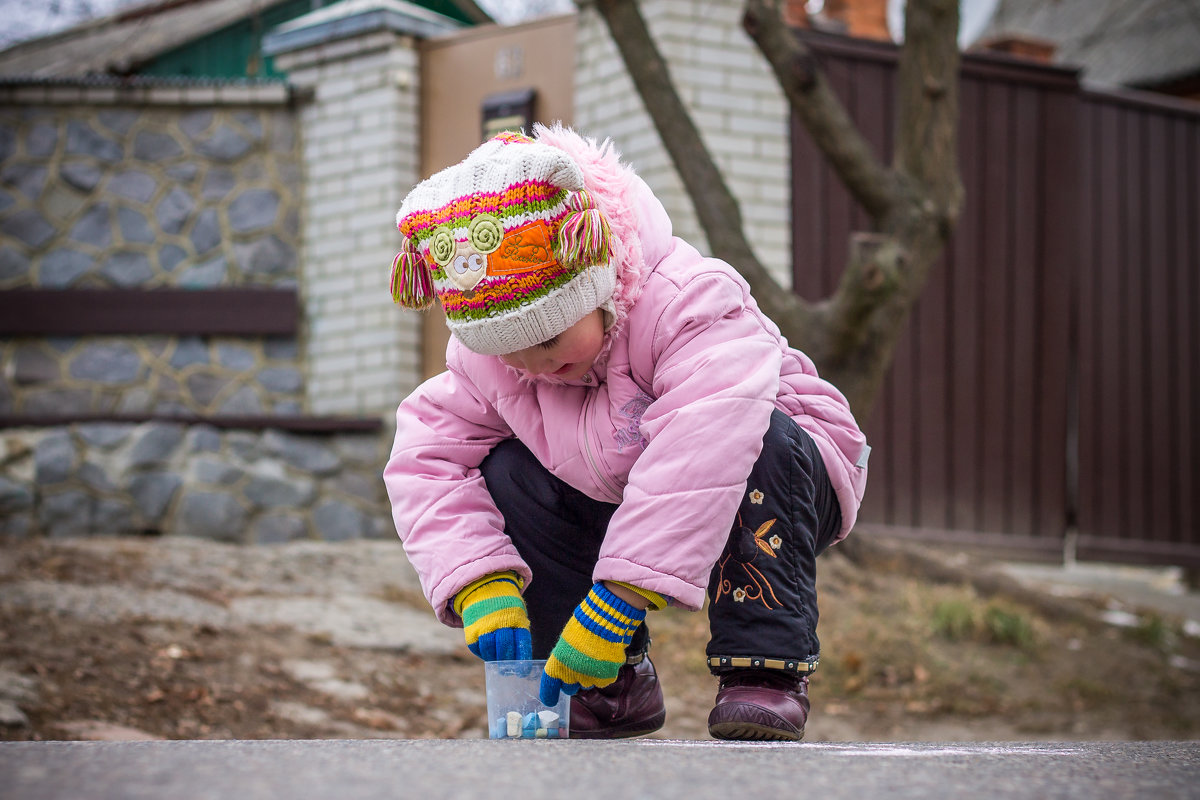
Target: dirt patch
(116, 638)
(179, 681)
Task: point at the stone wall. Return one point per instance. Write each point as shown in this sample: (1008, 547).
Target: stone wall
(733, 98)
(158, 185)
(174, 189)
(150, 375)
(112, 478)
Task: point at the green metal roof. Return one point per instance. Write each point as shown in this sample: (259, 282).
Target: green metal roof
(236, 51)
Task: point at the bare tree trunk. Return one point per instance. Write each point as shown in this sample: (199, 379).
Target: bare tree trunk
(914, 204)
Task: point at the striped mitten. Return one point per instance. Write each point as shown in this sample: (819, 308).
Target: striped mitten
(591, 648)
(494, 618)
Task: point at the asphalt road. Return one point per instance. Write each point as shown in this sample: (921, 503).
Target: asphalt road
(573, 770)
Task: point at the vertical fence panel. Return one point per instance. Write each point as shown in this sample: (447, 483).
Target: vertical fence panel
(1022, 370)
(1185, 180)
(1100, 465)
(808, 217)
(1133, 322)
(931, 471)
(904, 453)
(1159, 276)
(1082, 435)
(1058, 234)
(1191, 267)
(966, 369)
(993, 307)
(839, 208)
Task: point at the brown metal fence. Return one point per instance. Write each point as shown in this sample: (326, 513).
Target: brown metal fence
(1138, 295)
(1006, 415)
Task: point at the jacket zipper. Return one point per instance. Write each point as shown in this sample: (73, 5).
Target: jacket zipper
(601, 477)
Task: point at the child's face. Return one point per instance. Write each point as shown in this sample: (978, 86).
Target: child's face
(567, 356)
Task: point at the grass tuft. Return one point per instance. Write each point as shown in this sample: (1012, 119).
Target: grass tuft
(955, 620)
(963, 620)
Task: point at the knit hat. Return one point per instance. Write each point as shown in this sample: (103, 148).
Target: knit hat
(509, 241)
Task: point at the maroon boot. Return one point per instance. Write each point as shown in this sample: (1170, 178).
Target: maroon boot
(759, 704)
(632, 705)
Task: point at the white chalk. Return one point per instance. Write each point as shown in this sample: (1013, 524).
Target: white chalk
(514, 723)
(548, 718)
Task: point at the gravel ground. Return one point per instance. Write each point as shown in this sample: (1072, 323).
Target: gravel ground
(184, 639)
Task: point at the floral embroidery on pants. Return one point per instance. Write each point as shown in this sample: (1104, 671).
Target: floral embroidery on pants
(744, 547)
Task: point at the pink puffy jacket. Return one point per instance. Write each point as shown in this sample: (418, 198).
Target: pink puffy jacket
(668, 423)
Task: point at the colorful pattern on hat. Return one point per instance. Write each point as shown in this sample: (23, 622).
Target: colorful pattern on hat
(510, 243)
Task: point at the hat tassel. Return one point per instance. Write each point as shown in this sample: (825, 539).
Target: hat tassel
(584, 237)
(412, 285)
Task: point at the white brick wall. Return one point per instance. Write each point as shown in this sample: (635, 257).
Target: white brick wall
(734, 99)
(360, 146)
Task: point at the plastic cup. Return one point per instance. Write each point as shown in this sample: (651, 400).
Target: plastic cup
(514, 709)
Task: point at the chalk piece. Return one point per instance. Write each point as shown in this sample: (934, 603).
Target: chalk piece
(541, 733)
(548, 718)
(514, 723)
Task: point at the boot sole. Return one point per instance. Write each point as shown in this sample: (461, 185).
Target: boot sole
(752, 732)
(629, 731)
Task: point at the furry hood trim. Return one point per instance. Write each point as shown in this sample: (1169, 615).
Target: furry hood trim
(625, 200)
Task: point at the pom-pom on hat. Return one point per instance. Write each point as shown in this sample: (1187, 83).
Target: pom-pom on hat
(510, 243)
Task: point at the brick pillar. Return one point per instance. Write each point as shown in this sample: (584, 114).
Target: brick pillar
(361, 154)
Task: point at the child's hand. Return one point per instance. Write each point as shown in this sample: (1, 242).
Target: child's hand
(494, 618)
(592, 647)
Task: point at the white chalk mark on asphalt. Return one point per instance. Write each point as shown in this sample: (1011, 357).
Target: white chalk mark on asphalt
(886, 750)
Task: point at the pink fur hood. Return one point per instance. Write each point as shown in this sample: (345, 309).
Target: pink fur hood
(639, 223)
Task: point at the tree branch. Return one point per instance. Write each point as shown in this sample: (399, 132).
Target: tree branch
(927, 111)
(823, 115)
(716, 208)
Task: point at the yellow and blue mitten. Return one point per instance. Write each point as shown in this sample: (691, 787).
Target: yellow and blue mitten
(591, 648)
(494, 618)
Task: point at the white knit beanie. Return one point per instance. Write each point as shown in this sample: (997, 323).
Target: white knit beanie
(510, 243)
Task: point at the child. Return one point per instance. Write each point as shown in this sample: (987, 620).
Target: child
(619, 429)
